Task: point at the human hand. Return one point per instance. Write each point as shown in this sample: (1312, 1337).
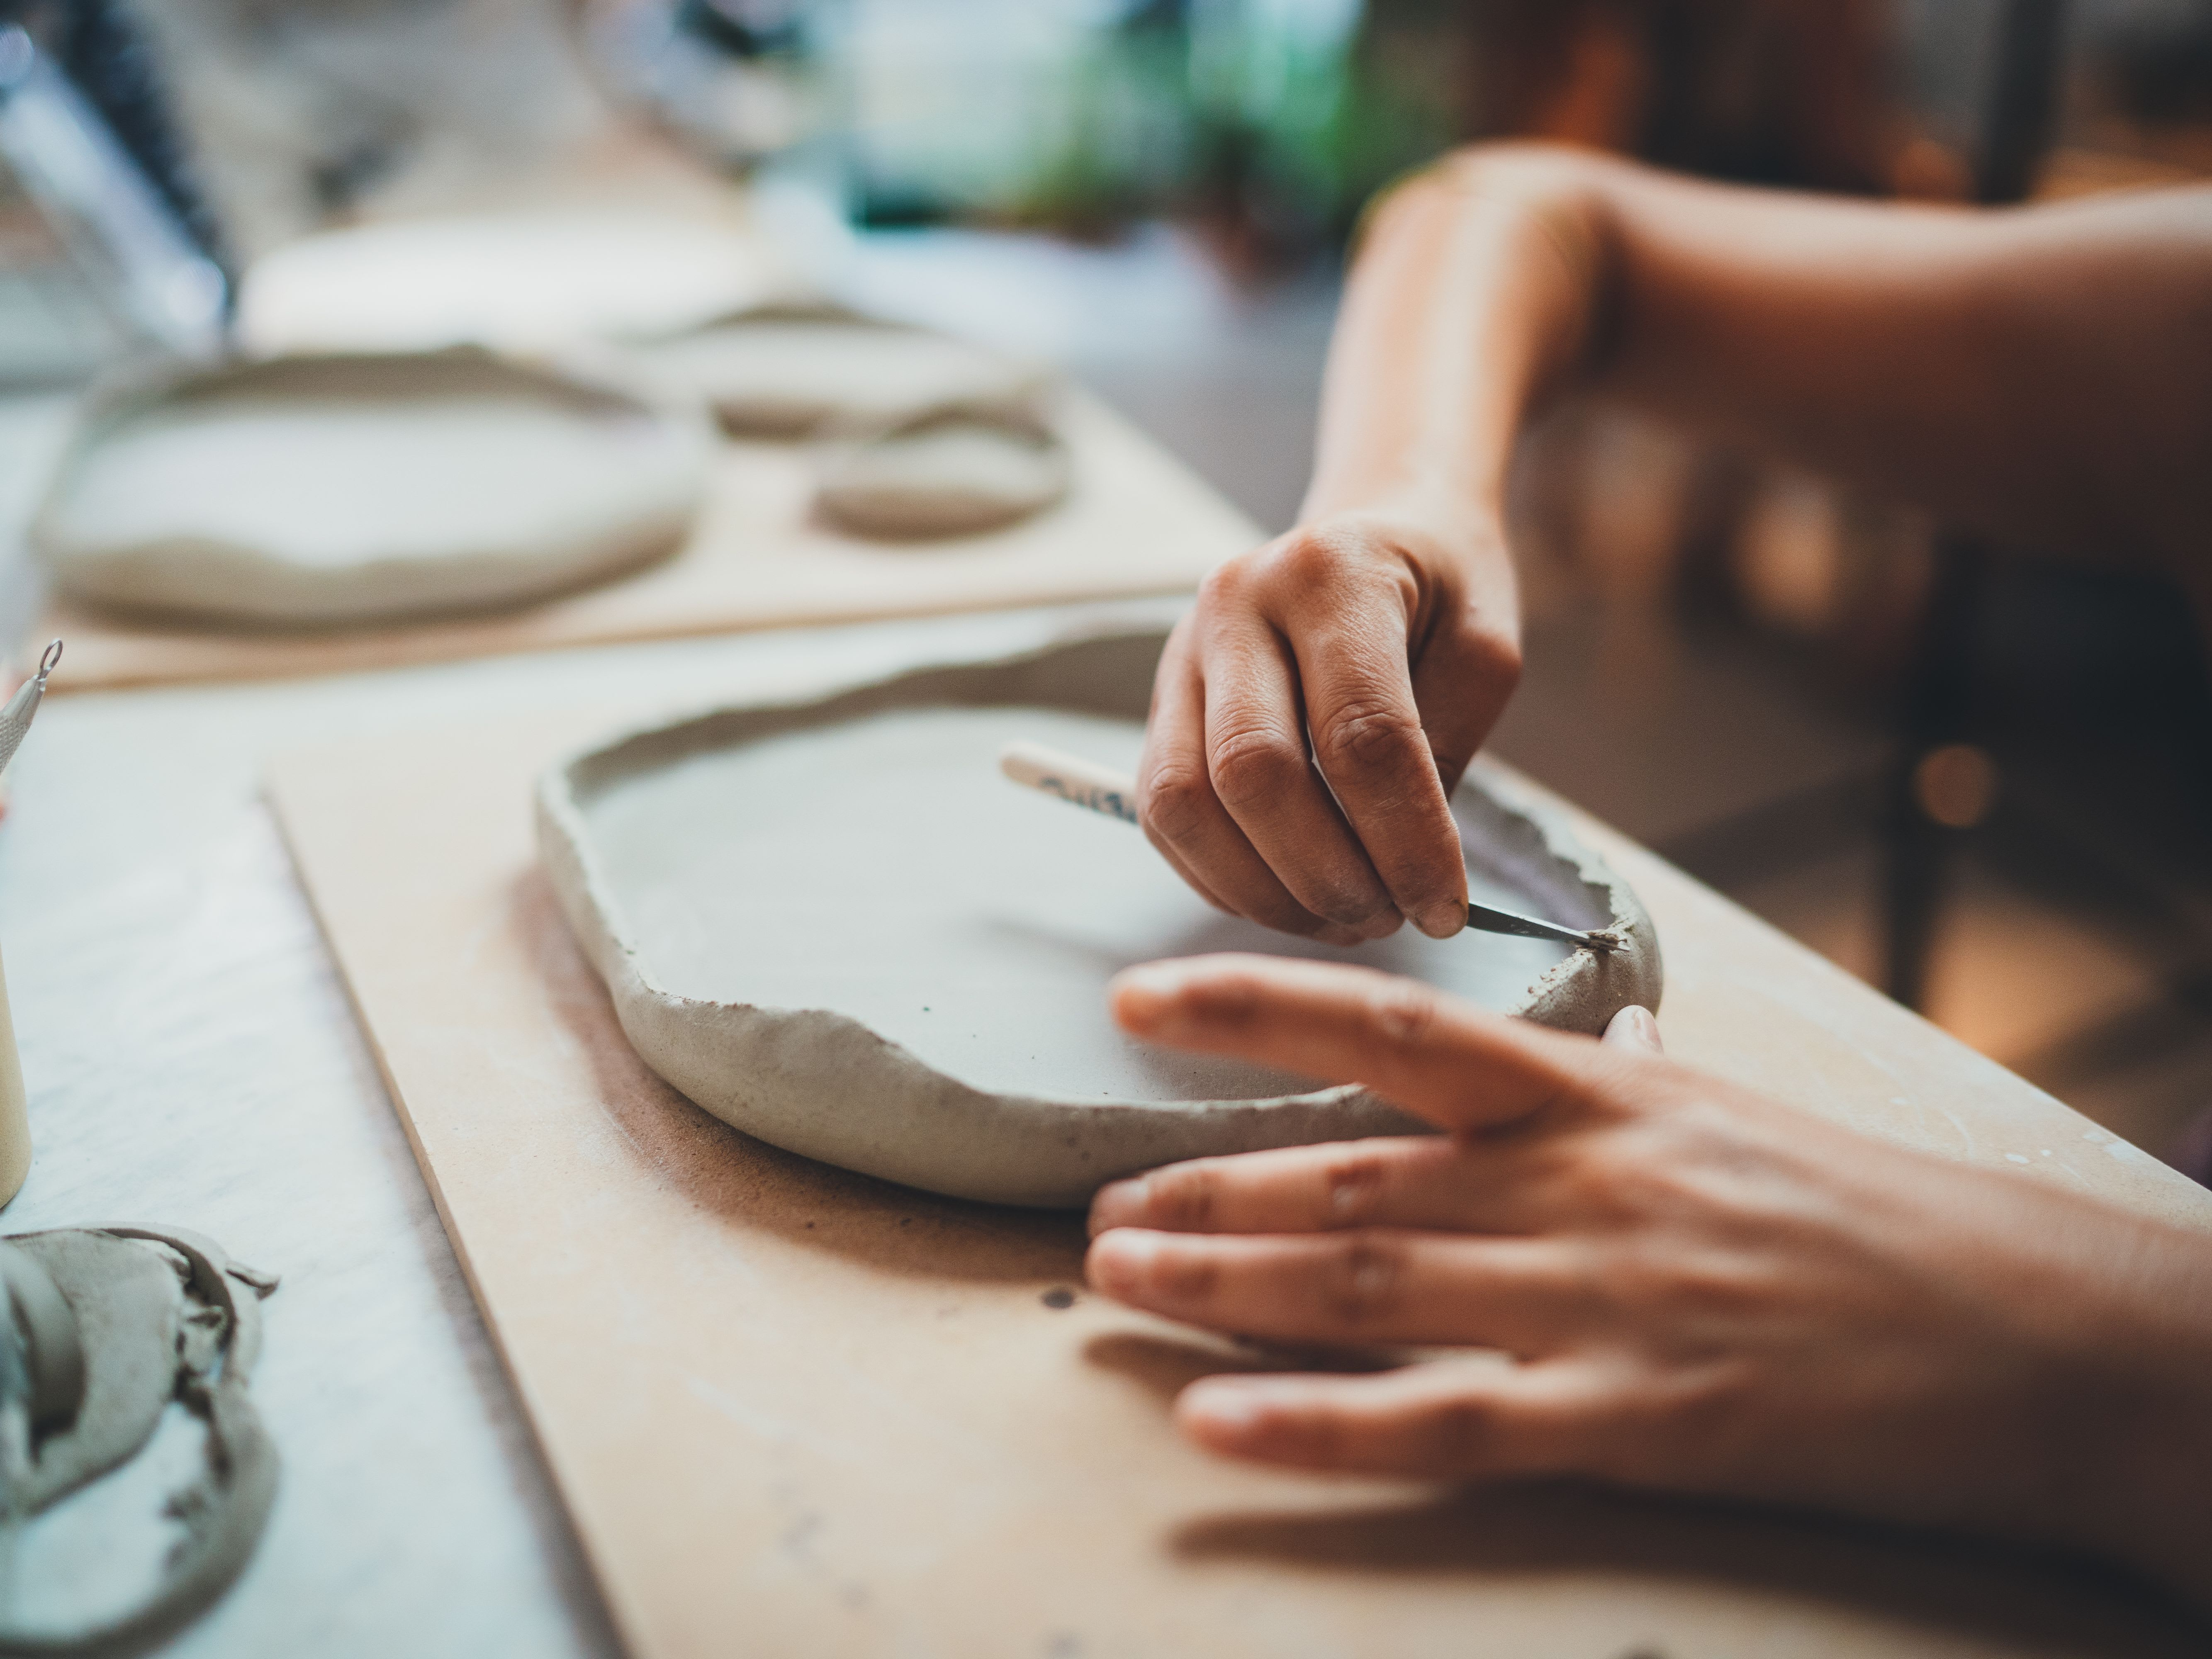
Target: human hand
(1685, 1285)
(1311, 715)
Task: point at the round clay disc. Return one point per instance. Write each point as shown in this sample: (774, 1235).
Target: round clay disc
(941, 1020)
(958, 473)
(527, 279)
(796, 371)
(350, 489)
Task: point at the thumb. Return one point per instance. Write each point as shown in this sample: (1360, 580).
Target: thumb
(1634, 1029)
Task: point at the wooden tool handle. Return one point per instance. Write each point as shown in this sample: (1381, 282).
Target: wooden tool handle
(1078, 781)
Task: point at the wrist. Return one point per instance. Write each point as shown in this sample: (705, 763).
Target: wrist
(1464, 527)
(2135, 1420)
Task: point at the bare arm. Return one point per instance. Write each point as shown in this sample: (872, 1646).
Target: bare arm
(2044, 375)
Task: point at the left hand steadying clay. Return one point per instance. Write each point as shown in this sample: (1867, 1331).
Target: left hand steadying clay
(1695, 1288)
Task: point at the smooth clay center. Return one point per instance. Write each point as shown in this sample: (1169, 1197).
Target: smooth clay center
(884, 870)
(332, 484)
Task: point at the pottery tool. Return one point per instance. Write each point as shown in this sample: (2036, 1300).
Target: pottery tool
(16, 718)
(1101, 789)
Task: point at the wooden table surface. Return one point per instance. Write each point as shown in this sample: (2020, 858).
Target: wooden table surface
(841, 1417)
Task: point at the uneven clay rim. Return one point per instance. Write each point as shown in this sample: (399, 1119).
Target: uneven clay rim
(822, 1085)
(200, 580)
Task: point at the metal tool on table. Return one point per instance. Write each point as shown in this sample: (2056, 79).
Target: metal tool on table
(1101, 789)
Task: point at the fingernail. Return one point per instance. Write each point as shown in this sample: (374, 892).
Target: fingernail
(1226, 1407)
(1634, 1028)
(1442, 919)
(1144, 997)
(1120, 1205)
(1120, 1260)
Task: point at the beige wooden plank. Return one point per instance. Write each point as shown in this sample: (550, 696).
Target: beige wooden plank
(1135, 522)
(797, 1411)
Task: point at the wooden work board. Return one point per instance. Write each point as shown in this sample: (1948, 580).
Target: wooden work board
(796, 1411)
(1135, 521)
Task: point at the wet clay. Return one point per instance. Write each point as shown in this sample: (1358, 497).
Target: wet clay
(99, 1335)
(322, 490)
(834, 926)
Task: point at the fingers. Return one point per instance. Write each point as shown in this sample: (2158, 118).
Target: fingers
(1463, 676)
(1435, 1181)
(1186, 821)
(1354, 663)
(1257, 761)
(1377, 1286)
(1311, 715)
(1634, 1029)
(1454, 1064)
(1460, 1420)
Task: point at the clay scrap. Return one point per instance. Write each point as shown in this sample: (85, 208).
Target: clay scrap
(99, 1335)
(324, 490)
(832, 925)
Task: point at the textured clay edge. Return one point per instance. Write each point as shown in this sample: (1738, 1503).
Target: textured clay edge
(824, 1085)
(288, 596)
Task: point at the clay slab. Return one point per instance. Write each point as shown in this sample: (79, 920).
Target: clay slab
(308, 490)
(956, 472)
(802, 370)
(838, 927)
(525, 279)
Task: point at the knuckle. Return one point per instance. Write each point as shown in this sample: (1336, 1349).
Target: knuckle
(1186, 1277)
(1353, 1186)
(1182, 1198)
(1365, 738)
(1613, 1181)
(1224, 586)
(1404, 1012)
(1463, 1434)
(1249, 768)
(1308, 563)
(1171, 803)
(1369, 1281)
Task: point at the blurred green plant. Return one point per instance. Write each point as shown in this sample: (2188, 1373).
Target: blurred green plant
(1270, 121)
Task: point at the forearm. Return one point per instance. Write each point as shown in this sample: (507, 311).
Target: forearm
(2043, 374)
(1474, 293)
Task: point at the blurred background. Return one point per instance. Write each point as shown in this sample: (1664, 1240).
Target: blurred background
(1982, 784)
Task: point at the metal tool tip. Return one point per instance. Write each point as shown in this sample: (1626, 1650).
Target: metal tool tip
(50, 659)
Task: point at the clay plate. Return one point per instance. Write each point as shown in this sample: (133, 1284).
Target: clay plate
(834, 926)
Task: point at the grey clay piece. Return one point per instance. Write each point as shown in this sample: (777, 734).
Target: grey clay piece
(342, 490)
(910, 1024)
(99, 1335)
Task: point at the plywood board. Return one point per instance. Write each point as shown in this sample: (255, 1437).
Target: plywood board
(1135, 522)
(796, 1411)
